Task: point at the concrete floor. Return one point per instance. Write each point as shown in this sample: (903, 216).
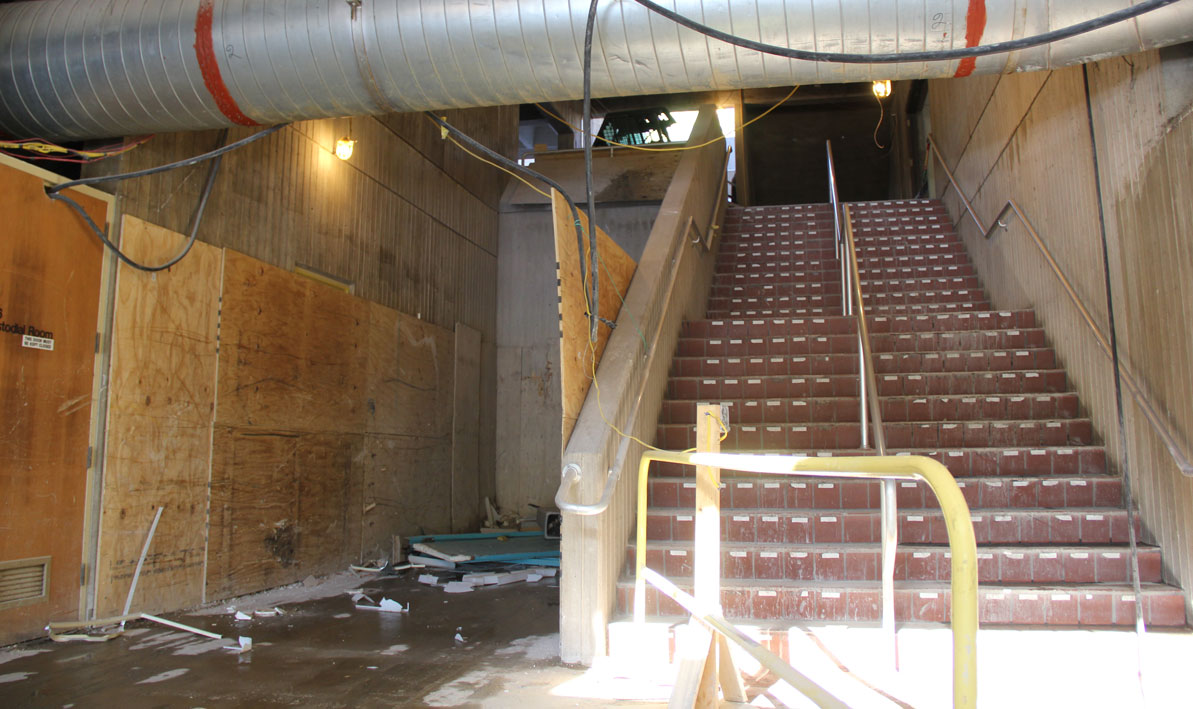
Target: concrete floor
(322, 652)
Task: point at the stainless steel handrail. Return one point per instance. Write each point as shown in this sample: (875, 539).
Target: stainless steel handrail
(1177, 448)
(871, 413)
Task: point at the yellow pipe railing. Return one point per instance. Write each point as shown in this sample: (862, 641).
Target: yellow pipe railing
(964, 589)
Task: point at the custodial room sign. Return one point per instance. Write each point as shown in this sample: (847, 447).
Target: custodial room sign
(30, 335)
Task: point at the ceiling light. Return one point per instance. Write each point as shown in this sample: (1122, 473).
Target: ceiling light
(882, 89)
(344, 147)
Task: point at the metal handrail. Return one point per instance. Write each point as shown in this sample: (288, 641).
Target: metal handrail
(571, 476)
(1177, 448)
(851, 285)
(962, 544)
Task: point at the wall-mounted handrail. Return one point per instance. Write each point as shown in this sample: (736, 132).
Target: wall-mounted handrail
(962, 544)
(871, 412)
(1177, 448)
(571, 476)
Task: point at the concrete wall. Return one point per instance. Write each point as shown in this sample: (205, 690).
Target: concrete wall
(1086, 150)
(528, 392)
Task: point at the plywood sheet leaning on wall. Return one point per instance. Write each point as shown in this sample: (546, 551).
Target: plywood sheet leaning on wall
(162, 400)
(50, 269)
(408, 447)
(579, 357)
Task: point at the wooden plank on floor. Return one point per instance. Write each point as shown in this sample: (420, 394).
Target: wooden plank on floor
(465, 487)
(162, 398)
(578, 357)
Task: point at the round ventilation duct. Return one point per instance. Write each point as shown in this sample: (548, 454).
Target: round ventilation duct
(90, 68)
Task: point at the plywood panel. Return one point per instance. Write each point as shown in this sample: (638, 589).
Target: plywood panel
(406, 490)
(293, 351)
(49, 283)
(283, 506)
(465, 483)
(161, 405)
(578, 356)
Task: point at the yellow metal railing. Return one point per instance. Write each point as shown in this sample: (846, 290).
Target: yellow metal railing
(964, 589)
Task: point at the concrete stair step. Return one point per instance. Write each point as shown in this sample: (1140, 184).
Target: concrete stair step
(1003, 564)
(1075, 525)
(780, 435)
(925, 342)
(716, 328)
(1051, 381)
(741, 491)
(846, 409)
(884, 363)
(965, 462)
(1052, 604)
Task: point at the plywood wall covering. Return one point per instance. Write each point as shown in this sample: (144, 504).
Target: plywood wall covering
(160, 409)
(333, 429)
(410, 220)
(1104, 147)
(50, 267)
(577, 355)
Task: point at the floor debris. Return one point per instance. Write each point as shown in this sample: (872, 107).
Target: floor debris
(386, 605)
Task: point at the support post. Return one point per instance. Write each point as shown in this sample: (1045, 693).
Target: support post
(705, 660)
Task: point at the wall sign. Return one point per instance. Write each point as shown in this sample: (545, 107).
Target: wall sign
(31, 335)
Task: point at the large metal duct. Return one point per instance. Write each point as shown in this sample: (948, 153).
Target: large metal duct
(92, 68)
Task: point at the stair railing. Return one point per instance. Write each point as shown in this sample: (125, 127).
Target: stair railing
(871, 412)
(1159, 423)
(963, 597)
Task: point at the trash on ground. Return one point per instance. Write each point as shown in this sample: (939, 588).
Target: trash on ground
(385, 605)
(243, 644)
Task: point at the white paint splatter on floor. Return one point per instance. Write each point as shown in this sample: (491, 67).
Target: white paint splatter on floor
(162, 677)
(459, 691)
(395, 649)
(17, 653)
(534, 647)
(200, 647)
(15, 676)
(161, 640)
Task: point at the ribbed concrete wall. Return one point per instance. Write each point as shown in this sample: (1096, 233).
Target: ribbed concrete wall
(1029, 137)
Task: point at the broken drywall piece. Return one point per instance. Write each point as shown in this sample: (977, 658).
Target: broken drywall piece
(241, 615)
(428, 579)
(458, 587)
(268, 613)
(393, 606)
(365, 603)
(243, 644)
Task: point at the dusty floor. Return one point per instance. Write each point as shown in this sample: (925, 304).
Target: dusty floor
(322, 652)
(319, 653)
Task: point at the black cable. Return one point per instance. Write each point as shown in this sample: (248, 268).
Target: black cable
(1128, 498)
(588, 141)
(513, 165)
(171, 166)
(218, 156)
(926, 56)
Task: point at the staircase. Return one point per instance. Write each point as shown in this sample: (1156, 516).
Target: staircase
(977, 389)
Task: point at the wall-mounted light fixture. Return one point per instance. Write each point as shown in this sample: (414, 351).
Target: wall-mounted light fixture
(344, 147)
(882, 89)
